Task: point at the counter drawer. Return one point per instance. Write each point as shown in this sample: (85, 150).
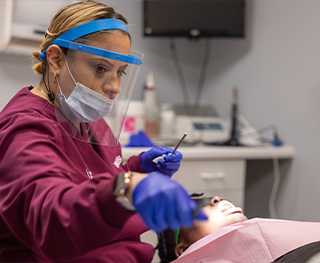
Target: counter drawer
(208, 175)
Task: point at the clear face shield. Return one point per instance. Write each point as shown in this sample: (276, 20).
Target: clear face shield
(94, 92)
(95, 85)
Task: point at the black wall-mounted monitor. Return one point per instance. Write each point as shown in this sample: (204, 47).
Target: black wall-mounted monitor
(194, 18)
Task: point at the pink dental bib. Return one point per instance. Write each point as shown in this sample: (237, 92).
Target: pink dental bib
(255, 240)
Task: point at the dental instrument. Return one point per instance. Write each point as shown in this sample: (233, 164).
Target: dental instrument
(155, 160)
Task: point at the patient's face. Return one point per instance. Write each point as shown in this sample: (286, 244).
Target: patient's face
(220, 213)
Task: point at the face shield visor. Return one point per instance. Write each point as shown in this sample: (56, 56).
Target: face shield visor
(95, 85)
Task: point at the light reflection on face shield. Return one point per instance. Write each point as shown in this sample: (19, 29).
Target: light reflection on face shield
(109, 72)
(103, 75)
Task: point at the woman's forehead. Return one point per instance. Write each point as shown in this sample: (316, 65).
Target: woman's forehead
(114, 41)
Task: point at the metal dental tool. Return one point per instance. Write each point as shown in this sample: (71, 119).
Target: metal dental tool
(184, 136)
(155, 160)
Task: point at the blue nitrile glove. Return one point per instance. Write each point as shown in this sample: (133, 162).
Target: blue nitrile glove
(168, 166)
(163, 203)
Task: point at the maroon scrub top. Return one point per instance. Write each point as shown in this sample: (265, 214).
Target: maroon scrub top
(56, 192)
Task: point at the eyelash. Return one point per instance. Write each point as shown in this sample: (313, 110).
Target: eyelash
(122, 72)
(102, 69)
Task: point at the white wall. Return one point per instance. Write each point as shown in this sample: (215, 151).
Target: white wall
(276, 69)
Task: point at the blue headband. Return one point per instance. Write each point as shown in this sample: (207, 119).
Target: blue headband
(65, 40)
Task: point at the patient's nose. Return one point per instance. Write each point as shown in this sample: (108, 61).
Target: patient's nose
(215, 200)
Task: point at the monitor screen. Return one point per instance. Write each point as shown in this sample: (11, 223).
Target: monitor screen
(194, 18)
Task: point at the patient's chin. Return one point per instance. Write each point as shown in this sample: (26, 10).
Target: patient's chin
(239, 217)
(236, 218)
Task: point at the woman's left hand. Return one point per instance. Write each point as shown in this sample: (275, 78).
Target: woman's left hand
(168, 165)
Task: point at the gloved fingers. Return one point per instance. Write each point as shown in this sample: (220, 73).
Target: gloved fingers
(147, 158)
(166, 150)
(169, 165)
(172, 217)
(177, 156)
(168, 168)
(148, 217)
(158, 151)
(163, 203)
(165, 171)
(146, 163)
(159, 217)
(185, 208)
(175, 202)
(156, 227)
(201, 216)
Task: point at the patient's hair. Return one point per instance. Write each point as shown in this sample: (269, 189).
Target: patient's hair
(166, 241)
(166, 246)
(71, 16)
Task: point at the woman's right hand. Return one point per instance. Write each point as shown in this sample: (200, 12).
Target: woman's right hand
(163, 203)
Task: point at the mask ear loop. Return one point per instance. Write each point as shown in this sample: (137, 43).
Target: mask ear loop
(50, 94)
(69, 74)
(75, 83)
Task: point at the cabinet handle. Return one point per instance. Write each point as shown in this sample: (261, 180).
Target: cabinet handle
(217, 175)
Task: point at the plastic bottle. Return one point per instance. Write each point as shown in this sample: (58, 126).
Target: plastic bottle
(151, 108)
(167, 117)
(134, 121)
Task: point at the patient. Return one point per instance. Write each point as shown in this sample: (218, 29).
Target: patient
(228, 236)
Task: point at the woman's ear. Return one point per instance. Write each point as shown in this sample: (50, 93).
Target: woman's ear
(180, 248)
(54, 57)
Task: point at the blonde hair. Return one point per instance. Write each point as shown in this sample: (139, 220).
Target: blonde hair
(69, 17)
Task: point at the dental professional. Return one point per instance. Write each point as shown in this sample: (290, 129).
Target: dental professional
(65, 194)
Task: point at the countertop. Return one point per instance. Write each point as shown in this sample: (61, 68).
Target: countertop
(225, 152)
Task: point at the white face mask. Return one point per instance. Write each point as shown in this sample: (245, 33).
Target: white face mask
(84, 104)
